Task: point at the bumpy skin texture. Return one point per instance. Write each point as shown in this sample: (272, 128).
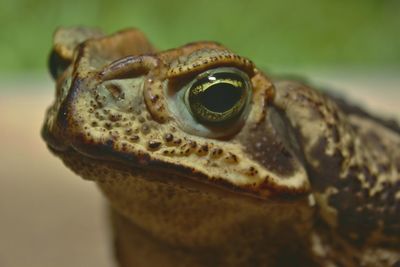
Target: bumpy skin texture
(301, 179)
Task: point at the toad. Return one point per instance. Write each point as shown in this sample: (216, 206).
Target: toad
(208, 161)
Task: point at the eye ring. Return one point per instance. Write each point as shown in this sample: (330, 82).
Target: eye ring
(218, 95)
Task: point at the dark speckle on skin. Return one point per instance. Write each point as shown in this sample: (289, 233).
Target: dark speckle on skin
(145, 129)
(134, 138)
(154, 144)
(231, 158)
(177, 141)
(168, 137)
(154, 98)
(216, 152)
(192, 144)
(113, 117)
(204, 148)
(107, 125)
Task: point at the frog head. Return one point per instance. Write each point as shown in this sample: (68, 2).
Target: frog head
(197, 140)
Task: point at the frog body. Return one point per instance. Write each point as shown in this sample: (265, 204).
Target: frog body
(206, 161)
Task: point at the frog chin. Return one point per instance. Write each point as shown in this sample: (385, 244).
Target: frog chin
(178, 209)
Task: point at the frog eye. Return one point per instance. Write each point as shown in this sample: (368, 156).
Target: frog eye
(218, 95)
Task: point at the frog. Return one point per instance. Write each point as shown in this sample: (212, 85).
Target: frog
(206, 160)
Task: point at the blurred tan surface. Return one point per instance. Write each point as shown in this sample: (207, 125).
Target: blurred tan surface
(51, 217)
(48, 215)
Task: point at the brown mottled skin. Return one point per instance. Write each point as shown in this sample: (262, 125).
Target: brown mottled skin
(302, 179)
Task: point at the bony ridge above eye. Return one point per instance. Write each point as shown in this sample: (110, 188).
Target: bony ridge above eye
(218, 95)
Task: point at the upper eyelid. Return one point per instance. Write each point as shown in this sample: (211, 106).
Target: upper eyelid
(200, 65)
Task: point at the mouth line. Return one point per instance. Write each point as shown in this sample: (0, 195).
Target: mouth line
(105, 152)
(182, 175)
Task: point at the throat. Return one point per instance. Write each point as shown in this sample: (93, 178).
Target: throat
(135, 246)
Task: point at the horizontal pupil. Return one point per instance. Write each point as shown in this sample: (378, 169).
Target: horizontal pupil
(220, 97)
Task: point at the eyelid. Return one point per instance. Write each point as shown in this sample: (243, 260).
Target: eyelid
(213, 58)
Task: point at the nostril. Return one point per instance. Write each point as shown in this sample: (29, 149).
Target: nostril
(115, 90)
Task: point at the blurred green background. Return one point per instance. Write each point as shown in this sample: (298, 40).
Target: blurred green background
(354, 43)
(275, 34)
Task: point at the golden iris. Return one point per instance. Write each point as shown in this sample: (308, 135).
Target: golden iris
(218, 95)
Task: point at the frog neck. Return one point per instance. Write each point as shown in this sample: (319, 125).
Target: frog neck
(135, 246)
